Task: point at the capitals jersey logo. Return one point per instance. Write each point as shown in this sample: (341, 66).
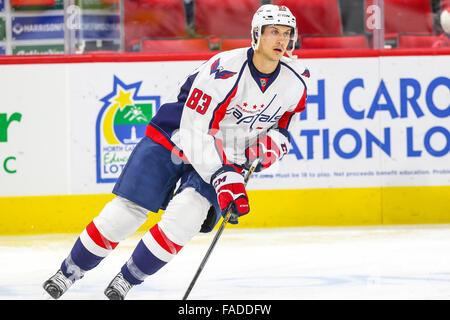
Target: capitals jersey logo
(219, 72)
(121, 123)
(306, 73)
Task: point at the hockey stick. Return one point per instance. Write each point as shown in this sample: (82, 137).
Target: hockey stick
(218, 234)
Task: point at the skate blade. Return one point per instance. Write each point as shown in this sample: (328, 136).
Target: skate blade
(47, 296)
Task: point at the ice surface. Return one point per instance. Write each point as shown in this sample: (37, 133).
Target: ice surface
(393, 262)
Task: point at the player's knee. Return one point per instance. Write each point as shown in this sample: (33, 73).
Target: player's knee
(184, 216)
(120, 218)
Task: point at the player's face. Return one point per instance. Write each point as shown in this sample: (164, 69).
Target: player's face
(274, 41)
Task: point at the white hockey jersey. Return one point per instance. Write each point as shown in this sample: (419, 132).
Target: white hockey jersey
(224, 105)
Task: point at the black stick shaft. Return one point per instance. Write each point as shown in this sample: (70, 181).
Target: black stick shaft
(208, 253)
(216, 237)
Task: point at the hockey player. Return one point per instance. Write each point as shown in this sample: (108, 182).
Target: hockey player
(234, 108)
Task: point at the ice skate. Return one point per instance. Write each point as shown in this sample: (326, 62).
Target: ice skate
(57, 285)
(118, 288)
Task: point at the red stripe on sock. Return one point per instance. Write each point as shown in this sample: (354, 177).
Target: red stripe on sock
(163, 241)
(98, 238)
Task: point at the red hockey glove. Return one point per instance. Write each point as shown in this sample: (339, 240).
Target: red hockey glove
(269, 148)
(231, 194)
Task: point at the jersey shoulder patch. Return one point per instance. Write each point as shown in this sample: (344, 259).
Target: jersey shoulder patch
(227, 64)
(219, 71)
(297, 66)
(306, 73)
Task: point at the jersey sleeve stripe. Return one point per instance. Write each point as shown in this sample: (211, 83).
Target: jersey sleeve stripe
(287, 117)
(218, 116)
(158, 136)
(169, 114)
(221, 109)
(219, 113)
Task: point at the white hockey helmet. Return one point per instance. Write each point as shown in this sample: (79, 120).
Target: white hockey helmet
(445, 20)
(270, 14)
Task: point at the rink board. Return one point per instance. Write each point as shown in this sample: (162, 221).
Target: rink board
(269, 209)
(372, 147)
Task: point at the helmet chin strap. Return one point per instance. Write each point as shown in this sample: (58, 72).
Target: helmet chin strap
(256, 36)
(289, 53)
(294, 40)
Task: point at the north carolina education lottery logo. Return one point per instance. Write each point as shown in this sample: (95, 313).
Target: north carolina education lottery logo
(121, 124)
